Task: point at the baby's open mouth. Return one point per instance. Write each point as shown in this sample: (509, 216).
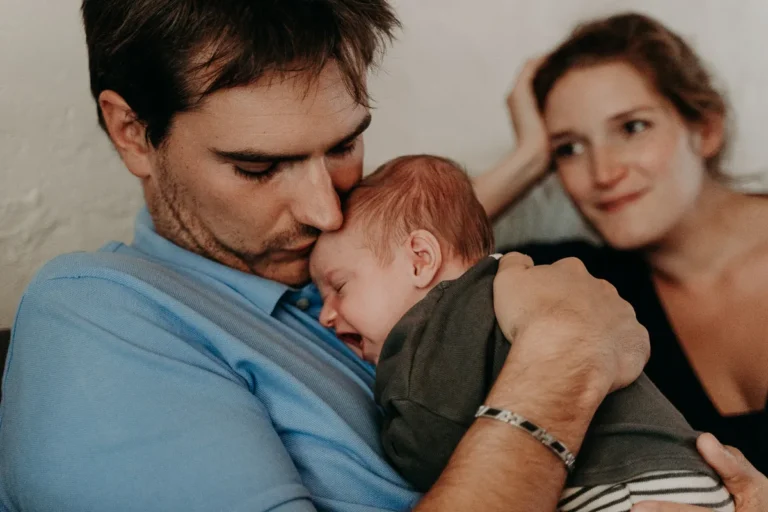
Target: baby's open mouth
(354, 340)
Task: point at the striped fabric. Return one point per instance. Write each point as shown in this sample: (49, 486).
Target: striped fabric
(675, 486)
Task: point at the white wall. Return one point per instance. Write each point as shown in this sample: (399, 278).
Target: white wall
(62, 188)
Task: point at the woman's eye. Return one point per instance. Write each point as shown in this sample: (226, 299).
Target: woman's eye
(569, 149)
(636, 126)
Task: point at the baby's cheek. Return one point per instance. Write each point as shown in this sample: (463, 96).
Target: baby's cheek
(378, 345)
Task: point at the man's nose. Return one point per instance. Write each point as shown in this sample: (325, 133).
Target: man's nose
(317, 202)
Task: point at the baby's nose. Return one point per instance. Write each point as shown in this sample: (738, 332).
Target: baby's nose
(327, 316)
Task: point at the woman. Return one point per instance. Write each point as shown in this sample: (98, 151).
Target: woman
(627, 115)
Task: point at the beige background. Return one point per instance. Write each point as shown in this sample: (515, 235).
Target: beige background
(441, 90)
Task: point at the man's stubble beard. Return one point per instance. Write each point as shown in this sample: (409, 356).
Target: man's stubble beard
(176, 221)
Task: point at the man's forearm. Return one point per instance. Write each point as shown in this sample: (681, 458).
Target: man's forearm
(500, 467)
(497, 467)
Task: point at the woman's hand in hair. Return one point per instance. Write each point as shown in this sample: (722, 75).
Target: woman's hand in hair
(524, 111)
(499, 187)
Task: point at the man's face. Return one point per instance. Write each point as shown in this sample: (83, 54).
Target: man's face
(253, 176)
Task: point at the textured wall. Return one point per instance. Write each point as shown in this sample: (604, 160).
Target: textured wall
(62, 188)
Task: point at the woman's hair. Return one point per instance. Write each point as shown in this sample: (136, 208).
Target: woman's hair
(669, 64)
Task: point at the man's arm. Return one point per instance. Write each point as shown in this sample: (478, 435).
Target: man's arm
(573, 339)
(108, 406)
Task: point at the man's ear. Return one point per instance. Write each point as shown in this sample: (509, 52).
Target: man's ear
(710, 135)
(426, 257)
(128, 134)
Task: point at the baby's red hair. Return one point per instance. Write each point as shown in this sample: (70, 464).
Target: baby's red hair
(421, 192)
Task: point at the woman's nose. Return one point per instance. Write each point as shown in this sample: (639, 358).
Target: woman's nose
(607, 168)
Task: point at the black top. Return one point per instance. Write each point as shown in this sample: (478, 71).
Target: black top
(668, 367)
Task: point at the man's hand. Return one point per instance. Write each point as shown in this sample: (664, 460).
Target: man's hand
(573, 340)
(578, 317)
(748, 486)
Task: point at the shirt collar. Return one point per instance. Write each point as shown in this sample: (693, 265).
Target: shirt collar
(264, 293)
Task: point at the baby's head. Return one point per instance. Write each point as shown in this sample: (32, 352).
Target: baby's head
(408, 226)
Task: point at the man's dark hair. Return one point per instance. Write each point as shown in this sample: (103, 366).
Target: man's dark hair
(165, 56)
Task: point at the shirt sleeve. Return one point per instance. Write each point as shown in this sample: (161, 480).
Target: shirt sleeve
(108, 406)
(418, 441)
(435, 370)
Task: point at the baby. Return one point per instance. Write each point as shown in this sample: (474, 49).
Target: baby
(408, 285)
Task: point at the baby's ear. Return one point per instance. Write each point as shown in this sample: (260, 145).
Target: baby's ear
(425, 257)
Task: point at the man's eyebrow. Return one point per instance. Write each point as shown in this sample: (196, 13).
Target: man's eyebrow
(258, 157)
(364, 124)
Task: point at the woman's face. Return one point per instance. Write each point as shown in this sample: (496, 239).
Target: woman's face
(625, 156)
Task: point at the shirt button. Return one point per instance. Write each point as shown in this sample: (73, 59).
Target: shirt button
(303, 303)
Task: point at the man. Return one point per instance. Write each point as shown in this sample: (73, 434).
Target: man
(187, 371)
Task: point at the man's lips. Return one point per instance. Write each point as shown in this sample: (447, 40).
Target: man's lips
(306, 247)
(295, 253)
(615, 204)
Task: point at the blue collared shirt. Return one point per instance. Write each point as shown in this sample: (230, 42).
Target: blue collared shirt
(145, 377)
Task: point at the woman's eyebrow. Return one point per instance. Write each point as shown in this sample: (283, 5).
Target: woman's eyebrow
(634, 111)
(565, 134)
(570, 134)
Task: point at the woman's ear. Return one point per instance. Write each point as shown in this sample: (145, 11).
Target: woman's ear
(128, 134)
(710, 135)
(425, 257)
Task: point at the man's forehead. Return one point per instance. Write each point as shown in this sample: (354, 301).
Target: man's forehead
(281, 116)
(293, 93)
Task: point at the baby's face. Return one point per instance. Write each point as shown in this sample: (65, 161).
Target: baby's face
(363, 299)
